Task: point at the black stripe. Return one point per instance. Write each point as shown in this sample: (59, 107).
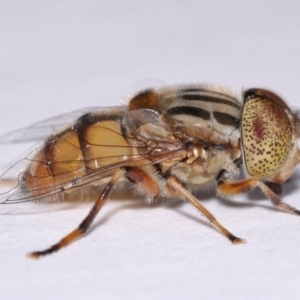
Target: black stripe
(89, 119)
(206, 98)
(189, 110)
(203, 90)
(84, 122)
(226, 119)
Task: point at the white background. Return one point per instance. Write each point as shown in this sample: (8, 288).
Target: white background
(58, 56)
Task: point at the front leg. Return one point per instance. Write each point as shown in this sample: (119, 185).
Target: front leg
(232, 188)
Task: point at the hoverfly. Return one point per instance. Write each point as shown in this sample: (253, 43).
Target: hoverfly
(166, 142)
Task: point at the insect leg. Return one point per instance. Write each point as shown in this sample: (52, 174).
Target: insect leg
(231, 188)
(143, 180)
(85, 224)
(177, 189)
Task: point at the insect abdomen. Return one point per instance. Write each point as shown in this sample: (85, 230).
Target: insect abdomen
(93, 142)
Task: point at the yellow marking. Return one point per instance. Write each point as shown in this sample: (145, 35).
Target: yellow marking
(64, 154)
(106, 145)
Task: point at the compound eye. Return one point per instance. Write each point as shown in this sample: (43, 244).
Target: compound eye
(267, 132)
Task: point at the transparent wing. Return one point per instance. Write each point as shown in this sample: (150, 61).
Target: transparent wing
(56, 169)
(43, 129)
(67, 186)
(70, 186)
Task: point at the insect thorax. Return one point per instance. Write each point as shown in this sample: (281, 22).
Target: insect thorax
(203, 122)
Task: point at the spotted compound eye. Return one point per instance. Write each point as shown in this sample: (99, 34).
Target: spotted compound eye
(266, 132)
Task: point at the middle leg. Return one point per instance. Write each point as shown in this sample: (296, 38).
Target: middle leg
(177, 189)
